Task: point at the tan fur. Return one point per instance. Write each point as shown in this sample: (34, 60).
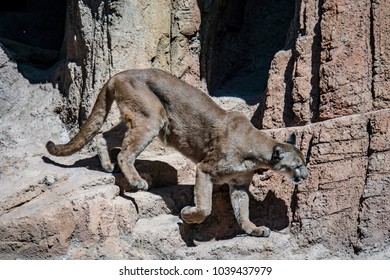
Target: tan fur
(227, 148)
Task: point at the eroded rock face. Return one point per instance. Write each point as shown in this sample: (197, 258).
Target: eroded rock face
(335, 73)
(336, 67)
(329, 85)
(347, 182)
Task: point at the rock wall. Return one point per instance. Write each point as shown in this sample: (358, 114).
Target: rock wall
(327, 81)
(338, 66)
(330, 85)
(103, 38)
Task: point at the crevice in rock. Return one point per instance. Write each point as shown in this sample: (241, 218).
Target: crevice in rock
(357, 247)
(315, 69)
(239, 41)
(33, 32)
(369, 149)
(288, 114)
(369, 153)
(372, 46)
(309, 150)
(25, 196)
(107, 13)
(294, 208)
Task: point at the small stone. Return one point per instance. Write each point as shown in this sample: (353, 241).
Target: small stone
(49, 180)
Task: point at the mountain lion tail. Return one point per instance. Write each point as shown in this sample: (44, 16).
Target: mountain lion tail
(90, 128)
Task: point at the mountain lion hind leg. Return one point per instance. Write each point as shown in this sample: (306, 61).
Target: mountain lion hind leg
(240, 203)
(107, 143)
(135, 141)
(143, 124)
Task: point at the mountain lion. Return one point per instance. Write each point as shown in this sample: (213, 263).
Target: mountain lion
(227, 148)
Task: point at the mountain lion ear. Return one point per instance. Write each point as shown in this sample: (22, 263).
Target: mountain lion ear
(278, 153)
(292, 139)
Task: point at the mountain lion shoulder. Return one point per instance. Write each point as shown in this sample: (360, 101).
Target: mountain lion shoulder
(227, 148)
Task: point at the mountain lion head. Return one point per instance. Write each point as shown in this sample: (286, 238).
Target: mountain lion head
(288, 160)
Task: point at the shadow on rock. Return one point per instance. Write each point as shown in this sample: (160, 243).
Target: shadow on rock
(156, 173)
(221, 224)
(91, 163)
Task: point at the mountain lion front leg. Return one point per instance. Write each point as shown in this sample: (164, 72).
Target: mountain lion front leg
(240, 203)
(203, 191)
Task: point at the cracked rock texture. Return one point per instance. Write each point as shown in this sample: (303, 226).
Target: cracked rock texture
(323, 74)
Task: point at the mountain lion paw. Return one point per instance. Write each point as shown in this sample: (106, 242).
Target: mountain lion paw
(139, 184)
(261, 232)
(193, 215)
(108, 167)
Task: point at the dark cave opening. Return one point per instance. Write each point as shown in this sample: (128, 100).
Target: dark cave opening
(33, 34)
(240, 39)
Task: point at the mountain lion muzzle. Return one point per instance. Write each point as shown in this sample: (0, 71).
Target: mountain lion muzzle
(227, 148)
